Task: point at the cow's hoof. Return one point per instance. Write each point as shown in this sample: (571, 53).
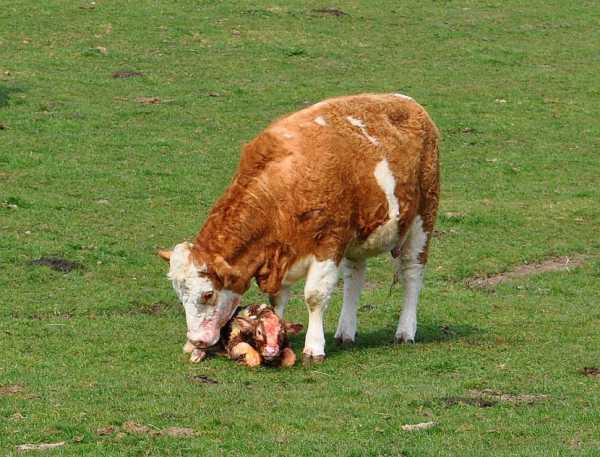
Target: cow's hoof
(344, 341)
(309, 360)
(197, 356)
(403, 339)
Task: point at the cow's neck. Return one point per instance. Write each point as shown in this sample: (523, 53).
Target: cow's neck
(240, 229)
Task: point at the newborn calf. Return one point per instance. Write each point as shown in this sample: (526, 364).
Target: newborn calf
(253, 336)
(258, 334)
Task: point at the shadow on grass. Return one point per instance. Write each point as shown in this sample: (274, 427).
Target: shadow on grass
(5, 93)
(427, 333)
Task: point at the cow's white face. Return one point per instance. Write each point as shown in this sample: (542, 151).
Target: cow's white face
(207, 309)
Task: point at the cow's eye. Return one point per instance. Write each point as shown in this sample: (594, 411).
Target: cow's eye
(206, 296)
(259, 332)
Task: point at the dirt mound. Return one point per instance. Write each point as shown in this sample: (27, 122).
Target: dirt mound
(564, 263)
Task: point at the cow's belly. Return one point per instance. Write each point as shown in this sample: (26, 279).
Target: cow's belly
(383, 239)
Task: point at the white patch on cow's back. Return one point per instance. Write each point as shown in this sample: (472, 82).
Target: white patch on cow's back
(387, 182)
(385, 237)
(356, 122)
(363, 129)
(320, 120)
(288, 135)
(405, 97)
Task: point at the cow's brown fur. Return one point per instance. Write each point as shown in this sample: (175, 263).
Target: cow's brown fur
(305, 189)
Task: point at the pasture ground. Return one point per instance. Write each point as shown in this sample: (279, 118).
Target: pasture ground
(102, 170)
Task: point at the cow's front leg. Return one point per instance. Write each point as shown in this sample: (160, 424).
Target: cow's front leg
(320, 283)
(354, 278)
(280, 300)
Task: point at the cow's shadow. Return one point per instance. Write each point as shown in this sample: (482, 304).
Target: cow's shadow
(427, 333)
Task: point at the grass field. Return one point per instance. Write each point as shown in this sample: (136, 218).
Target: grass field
(103, 170)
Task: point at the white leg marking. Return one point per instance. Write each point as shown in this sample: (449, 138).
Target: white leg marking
(320, 283)
(412, 274)
(280, 300)
(354, 278)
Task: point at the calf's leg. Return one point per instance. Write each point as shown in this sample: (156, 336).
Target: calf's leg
(250, 356)
(320, 283)
(288, 358)
(354, 278)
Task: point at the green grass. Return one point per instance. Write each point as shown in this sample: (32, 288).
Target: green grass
(102, 179)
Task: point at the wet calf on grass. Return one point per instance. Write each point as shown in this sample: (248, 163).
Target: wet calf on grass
(255, 335)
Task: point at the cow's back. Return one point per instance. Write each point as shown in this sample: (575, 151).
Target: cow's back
(344, 167)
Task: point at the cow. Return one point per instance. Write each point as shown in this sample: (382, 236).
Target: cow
(317, 193)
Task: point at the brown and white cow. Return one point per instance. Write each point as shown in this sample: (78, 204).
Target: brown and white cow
(318, 191)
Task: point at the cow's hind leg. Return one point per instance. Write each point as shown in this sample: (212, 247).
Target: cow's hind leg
(409, 266)
(320, 283)
(354, 278)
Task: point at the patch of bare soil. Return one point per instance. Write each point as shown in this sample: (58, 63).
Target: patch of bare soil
(148, 100)
(592, 372)
(564, 263)
(473, 401)
(58, 264)
(203, 379)
(108, 430)
(11, 389)
(127, 74)
(134, 428)
(178, 432)
(329, 11)
(488, 397)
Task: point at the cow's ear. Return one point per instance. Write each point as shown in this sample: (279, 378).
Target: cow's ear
(293, 328)
(165, 255)
(245, 325)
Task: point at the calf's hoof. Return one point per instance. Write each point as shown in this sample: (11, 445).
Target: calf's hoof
(197, 356)
(252, 359)
(309, 359)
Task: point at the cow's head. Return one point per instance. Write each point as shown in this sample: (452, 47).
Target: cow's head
(208, 302)
(269, 332)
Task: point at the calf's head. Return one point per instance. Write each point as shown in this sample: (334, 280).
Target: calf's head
(208, 302)
(268, 330)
